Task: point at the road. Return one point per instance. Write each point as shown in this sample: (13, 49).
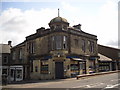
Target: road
(104, 82)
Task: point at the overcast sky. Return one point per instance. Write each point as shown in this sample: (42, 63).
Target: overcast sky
(21, 19)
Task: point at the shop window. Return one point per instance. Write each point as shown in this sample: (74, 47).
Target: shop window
(18, 73)
(4, 71)
(74, 67)
(31, 65)
(81, 65)
(44, 67)
(12, 73)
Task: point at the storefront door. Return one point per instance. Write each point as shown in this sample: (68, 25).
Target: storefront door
(59, 70)
(16, 73)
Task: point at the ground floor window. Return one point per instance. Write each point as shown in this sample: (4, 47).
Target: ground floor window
(104, 67)
(44, 67)
(19, 73)
(16, 73)
(74, 67)
(4, 71)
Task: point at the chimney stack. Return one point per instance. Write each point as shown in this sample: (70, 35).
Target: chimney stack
(9, 43)
(40, 30)
(77, 26)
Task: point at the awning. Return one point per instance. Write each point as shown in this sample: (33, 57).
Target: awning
(78, 59)
(46, 58)
(104, 58)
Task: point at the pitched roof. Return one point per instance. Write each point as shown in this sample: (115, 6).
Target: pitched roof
(104, 58)
(5, 48)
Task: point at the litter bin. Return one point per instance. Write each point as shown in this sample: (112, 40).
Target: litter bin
(4, 79)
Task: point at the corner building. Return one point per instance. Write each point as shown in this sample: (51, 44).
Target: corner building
(60, 51)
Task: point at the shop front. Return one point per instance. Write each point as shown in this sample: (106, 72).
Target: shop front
(105, 63)
(16, 73)
(77, 66)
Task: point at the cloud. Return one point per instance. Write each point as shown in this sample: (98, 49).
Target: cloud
(17, 24)
(107, 23)
(103, 23)
(113, 43)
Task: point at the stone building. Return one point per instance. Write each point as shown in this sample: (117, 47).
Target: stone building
(60, 51)
(19, 65)
(104, 63)
(112, 53)
(5, 58)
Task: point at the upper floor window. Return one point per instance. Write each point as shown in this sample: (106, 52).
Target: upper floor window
(5, 59)
(20, 53)
(31, 47)
(64, 42)
(58, 26)
(52, 27)
(91, 46)
(76, 42)
(14, 55)
(83, 45)
(64, 27)
(59, 42)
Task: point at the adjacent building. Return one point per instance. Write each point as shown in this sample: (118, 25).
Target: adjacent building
(5, 57)
(104, 63)
(112, 53)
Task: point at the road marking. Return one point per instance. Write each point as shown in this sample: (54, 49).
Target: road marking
(112, 86)
(115, 80)
(89, 85)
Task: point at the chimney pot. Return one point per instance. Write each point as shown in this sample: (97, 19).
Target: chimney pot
(9, 43)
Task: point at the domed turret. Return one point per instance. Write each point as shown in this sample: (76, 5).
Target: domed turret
(58, 22)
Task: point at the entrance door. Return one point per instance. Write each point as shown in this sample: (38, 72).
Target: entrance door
(12, 74)
(59, 70)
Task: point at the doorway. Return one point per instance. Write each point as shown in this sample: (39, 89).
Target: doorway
(59, 70)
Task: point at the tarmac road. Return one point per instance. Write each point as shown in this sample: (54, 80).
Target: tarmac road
(102, 82)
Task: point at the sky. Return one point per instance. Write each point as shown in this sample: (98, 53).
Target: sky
(22, 18)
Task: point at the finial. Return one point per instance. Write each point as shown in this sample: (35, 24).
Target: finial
(58, 12)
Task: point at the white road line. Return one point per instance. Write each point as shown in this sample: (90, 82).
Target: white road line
(115, 80)
(112, 86)
(89, 86)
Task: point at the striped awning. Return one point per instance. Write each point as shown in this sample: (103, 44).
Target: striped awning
(78, 59)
